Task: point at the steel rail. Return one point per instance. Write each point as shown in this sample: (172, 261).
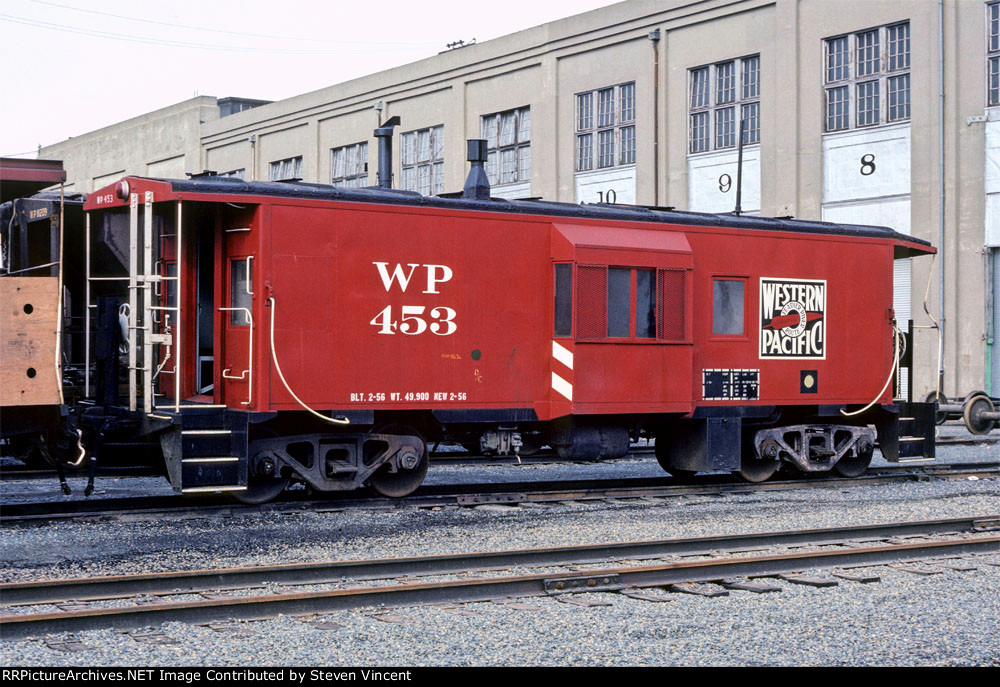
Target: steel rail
(482, 589)
(465, 495)
(195, 581)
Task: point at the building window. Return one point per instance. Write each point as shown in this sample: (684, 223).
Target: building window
(993, 53)
(868, 74)
(349, 165)
(235, 173)
(423, 160)
(290, 168)
(722, 96)
(508, 136)
(607, 139)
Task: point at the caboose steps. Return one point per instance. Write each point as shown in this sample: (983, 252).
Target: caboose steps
(908, 435)
(206, 449)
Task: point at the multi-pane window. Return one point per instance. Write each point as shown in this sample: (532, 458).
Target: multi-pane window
(235, 173)
(423, 160)
(616, 303)
(605, 138)
(993, 53)
(508, 136)
(290, 168)
(722, 96)
(349, 165)
(867, 77)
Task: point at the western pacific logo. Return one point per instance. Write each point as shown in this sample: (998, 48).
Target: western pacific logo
(792, 318)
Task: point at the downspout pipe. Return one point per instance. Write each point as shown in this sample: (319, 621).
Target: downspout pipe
(941, 197)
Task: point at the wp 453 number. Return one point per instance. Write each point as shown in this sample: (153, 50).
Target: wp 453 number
(411, 321)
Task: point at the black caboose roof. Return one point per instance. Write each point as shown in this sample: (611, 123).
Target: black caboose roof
(628, 213)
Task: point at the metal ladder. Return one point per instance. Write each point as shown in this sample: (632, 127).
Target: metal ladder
(145, 281)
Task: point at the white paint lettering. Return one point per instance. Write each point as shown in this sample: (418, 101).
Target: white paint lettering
(432, 280)
(397, 274)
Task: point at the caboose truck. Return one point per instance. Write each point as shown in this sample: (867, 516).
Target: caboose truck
(283, 332)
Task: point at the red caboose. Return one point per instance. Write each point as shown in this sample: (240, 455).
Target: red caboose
(325, 335)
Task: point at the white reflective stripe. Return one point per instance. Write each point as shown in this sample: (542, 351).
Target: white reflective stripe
(562, 354)
(196, 490)
(562, 386)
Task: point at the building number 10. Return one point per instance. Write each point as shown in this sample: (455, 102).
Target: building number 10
(411, 322)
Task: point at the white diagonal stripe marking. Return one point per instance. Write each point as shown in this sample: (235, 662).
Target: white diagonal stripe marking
(562, 386)
(562, 354)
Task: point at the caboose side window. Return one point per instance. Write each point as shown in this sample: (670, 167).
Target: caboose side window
(727, 307)
(564, 300)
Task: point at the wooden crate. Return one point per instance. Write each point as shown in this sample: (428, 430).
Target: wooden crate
(28, 321)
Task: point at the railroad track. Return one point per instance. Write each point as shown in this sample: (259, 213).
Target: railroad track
(19, 472)
(436, 496)
(630, 568)
(637, 452)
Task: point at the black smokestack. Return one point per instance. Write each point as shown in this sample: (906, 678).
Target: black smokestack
(477, 184)
(384, 136)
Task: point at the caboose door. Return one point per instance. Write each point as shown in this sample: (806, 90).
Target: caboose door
(238, 325)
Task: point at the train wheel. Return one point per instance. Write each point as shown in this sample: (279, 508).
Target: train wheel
(261, 489)
(263, 484)
(973, 414)
(412, 468)
(855, 466)
(754, 468)
(531, 445)
(663, 458)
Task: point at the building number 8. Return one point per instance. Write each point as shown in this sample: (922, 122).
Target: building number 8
(867, 165)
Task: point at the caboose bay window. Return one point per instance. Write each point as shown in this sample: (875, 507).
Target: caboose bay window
(629, 303)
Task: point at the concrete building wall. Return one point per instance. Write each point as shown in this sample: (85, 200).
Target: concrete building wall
(165, 141)
(796, 169)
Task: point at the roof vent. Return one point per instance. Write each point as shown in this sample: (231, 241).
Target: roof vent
(477, 184)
